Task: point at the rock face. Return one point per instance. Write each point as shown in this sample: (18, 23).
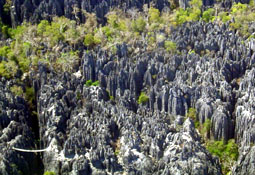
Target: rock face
(15, 131)
(103, 130)
(36, 10)
(91, 133)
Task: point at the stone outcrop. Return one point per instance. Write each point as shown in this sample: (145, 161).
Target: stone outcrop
(103, 130)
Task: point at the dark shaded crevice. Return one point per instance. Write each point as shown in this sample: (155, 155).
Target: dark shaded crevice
(38, 167)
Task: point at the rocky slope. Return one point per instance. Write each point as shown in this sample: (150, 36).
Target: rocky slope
(35, 10)
(103, 130)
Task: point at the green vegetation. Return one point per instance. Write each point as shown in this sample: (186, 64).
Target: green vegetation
(192, 114)
(91, 83)
(49, 173)
(227, 153)
(138, 25)
(170, 46)
(208, 15)
(143, 98)
(193, 13)
(7, 6)
(205, 129)
(17, 90)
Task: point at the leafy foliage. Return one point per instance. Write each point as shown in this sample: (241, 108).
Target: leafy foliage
(170, 46)
(143, 98)
(208, 15)
(91, 83)
(227, 153)
(7, 6)
(138, 25)
(49, 173)
(17, 90)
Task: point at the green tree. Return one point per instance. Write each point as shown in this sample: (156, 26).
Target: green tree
(208, 15)
(154, 15)
(138, 25)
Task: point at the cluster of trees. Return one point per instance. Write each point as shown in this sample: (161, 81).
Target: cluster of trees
(33, 43)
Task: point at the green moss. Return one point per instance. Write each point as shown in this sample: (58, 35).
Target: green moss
(143, 98)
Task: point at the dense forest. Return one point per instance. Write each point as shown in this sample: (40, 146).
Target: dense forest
(135, 87)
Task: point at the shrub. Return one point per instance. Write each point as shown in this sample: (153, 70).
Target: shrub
(138, 25)
(206, 126)
(191, 14)
(88, 83)
(96, 83)
(143, 98)
(107, 32)
(227, 153)
(170, 46)
(66, 61)
(154, 15)
(5, 31)
(196, 4)
(112, 20)
(238, 8)
(192, 113)
(224, 17)
(49, 173)
(91, 40)
(91, 83)
(30, 96)
(208, 15)
(41, 28)
(8, 69)
(4, 51)
(17, 90)
(7, 6)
